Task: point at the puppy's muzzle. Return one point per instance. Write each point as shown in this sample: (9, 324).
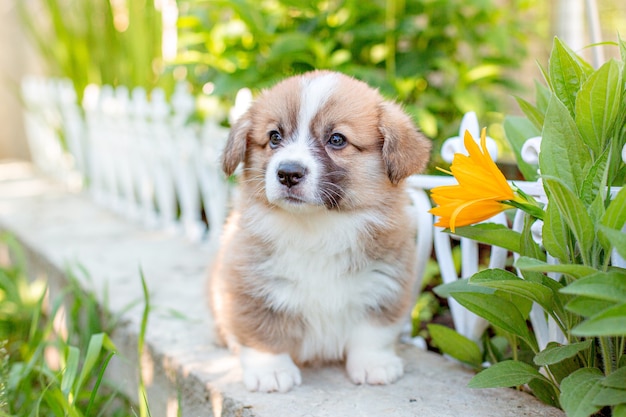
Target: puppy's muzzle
(290, 173)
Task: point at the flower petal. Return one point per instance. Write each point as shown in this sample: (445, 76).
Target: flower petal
(469, 212)
(480, 191)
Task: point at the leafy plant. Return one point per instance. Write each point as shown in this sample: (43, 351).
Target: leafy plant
(572, 274)
(441, 58)
(47, 368)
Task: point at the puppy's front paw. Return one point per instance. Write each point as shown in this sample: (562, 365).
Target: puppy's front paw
(266, 372)
(375, 368)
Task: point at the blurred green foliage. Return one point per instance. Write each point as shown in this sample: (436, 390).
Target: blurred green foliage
(441, 58)
(97, 41)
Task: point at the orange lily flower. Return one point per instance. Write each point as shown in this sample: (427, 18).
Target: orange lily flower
(482, 191)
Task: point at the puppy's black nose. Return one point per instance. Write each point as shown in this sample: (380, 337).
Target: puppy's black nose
(290, 173)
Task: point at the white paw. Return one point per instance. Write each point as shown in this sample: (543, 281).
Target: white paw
(374, 368)
(267, 372)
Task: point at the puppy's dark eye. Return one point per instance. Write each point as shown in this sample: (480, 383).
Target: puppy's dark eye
(275, 139)
(337, 141)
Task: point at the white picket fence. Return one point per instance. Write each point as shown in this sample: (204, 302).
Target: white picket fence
(139, 156)
(143, 159)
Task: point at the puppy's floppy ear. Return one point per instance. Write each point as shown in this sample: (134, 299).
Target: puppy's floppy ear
(405, 150)
(235, 149)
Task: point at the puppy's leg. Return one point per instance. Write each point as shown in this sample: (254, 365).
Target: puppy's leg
(267, 372)
(371, 356)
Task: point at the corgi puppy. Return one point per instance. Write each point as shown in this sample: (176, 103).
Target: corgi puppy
(317, 259)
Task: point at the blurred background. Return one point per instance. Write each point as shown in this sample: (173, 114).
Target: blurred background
(440, 58)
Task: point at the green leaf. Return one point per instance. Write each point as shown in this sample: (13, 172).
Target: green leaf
(609, 397)
(96, 343)
(518, 130)
(456, 345)
(616, 380)
(578, 391)
(542, 97)
(460, 286)
(505, 374)
(528, 246)
(594, 184)
(566, 367)
(545, 391)
(575, 215)
(615, 215)
(492, 234)
(535, 116)
(609, 322)
(531, 264)
(499, 312)
(610, 286)
(564, 154)
(597, 105)
(555, 233)
(622, 52)
(587, 307)
(556, 353)
(71, 369)
(619, 410)
(617, 239)
(568, 72)
(511, 283)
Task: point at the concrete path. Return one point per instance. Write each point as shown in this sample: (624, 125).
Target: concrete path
(182, 367)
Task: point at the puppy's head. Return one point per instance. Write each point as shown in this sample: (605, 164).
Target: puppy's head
(323, 140)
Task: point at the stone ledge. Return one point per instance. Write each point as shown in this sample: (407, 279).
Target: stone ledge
(182, 366)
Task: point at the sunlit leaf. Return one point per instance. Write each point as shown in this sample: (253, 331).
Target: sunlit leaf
(568, 72)
(597, 105)
(564, 155)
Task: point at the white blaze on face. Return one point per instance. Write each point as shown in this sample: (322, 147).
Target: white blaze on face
(314, 94)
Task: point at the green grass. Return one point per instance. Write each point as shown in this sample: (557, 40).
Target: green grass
(51, 368)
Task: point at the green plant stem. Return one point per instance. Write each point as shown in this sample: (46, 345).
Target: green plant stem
(144, 410)
(99, 380)
(552, 379)
(620, 342)
(606, 347)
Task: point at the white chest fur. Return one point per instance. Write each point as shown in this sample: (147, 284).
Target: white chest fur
(320, 271)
